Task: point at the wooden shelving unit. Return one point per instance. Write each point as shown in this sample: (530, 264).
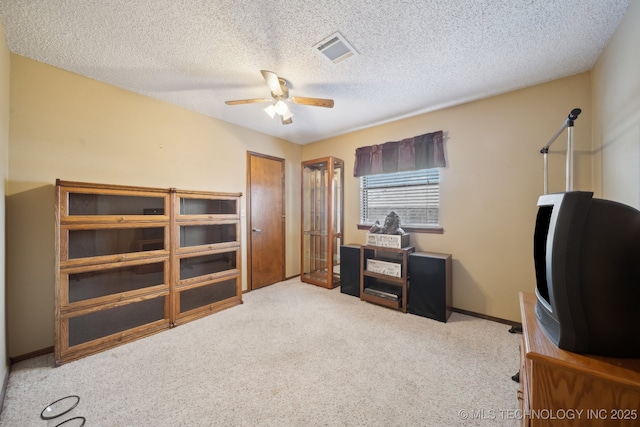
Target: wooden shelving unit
(380, 288)
(131, 261)
(206, 254)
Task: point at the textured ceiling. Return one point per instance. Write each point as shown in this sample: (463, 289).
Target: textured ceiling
(413, 56)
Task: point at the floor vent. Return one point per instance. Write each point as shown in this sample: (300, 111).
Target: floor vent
(336, 48)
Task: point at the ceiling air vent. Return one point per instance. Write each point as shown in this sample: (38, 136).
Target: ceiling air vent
(336, 48)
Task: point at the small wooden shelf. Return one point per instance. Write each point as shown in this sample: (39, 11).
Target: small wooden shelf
(398, 280)
(387, 283)
(395, 304)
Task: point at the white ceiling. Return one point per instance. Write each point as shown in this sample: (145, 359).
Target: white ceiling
(413, 56)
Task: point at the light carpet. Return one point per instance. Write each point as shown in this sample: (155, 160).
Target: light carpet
(292, 355)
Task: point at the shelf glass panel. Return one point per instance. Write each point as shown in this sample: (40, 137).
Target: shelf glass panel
(314, 198)
(95, 284)
(207, 264)
(315, 250)
(101, 242)
(109, 204)
(208, 294)
(100, 324)
(192, 206)
(337, 197)
(337, 242)
(196, 235)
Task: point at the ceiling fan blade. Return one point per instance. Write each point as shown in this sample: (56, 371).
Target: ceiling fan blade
(273, 82)
(247, 101)
(316, 102)
(283, 87)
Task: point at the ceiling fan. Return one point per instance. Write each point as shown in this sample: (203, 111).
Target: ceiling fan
(280, 94)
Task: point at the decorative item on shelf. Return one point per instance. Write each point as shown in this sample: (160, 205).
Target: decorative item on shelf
(392, 225)
(390, 235)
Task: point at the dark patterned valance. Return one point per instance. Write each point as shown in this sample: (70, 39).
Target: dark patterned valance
(420, 152)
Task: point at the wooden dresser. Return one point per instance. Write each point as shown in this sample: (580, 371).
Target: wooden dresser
(561, 388)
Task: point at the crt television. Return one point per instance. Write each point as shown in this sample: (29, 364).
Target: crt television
(587, 265)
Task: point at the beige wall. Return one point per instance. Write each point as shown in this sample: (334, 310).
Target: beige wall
(74, 128)
(4, 171)
(65, 126)
(490, 187)
(616, 104)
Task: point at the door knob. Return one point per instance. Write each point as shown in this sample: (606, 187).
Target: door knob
(257, 230)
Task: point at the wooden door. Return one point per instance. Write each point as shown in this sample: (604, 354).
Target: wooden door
(266, 215)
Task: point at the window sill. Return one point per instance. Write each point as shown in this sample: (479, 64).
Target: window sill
(410, 229)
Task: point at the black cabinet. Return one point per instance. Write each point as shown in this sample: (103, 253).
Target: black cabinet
(429, 293)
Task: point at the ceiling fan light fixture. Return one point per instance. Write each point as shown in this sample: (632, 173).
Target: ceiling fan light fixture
(281, 108)
(287, 115)
(271, 110)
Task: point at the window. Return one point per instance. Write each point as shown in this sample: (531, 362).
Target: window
(413, 195)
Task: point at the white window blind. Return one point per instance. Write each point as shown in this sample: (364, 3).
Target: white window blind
(413, 195)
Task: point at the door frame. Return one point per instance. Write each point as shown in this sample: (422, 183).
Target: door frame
(250, 155)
